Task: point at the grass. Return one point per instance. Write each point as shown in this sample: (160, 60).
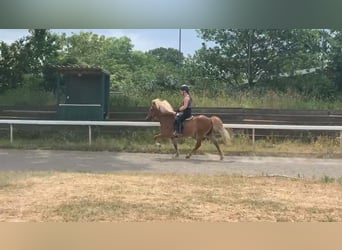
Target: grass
(26, 96)
(9, 179)
(141, 140)
(85, 197)
(241, 99)
(6, 179)
(258, 97)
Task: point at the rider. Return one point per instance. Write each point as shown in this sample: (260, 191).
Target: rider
(184, 111)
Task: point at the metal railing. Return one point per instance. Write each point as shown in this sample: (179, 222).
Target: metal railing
(253, 127)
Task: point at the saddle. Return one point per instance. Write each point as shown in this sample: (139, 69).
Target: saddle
(190, 118)
(180, 126)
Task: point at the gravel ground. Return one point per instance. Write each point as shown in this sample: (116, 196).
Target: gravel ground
(85, 161)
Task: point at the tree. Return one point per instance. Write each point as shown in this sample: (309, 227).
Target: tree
(168, 63)
(250, 55)
(335, 59)
(112, 54)
(41, 48)
(94, 50)
(168, 55)
(25, 59)
(10, 71)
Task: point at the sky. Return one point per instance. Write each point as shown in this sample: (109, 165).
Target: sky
(142, 39)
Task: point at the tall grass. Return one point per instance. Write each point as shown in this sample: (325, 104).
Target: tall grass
(26, 96)
(206, 98)
(238, 99)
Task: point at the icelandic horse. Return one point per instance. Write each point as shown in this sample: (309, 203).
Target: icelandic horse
(199, 127)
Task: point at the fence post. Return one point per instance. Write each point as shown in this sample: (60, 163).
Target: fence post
(253, 135)
(11, 133)
(89, 130)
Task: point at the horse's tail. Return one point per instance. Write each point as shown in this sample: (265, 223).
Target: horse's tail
(218, 128)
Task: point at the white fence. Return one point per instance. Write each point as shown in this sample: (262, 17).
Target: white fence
(285, 127)
(253, 127)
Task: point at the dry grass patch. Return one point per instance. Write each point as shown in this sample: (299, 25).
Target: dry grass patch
(156, 197)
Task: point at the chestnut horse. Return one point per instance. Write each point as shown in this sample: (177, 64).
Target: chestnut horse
(200, 127)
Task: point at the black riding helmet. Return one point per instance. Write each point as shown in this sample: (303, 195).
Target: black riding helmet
(185, 88)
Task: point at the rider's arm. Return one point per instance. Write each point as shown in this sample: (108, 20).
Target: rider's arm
(185, 104)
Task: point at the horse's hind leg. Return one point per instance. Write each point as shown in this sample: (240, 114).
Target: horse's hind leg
(198, 144)
(174, 142)
(213, 140)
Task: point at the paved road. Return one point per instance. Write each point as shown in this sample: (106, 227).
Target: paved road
(32, 160)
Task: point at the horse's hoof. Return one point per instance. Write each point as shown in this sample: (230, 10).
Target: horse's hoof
(187, 157)
(158, 144)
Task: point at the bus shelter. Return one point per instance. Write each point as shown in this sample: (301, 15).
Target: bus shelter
(82, 93)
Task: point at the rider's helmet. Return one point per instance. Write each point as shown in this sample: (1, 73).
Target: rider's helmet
(185, 88)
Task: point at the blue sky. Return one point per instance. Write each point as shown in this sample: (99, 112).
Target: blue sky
(142, 39)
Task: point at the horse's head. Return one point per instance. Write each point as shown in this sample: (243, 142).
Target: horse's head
(159, 108)
(152, 112)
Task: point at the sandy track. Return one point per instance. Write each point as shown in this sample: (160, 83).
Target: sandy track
(47, 160)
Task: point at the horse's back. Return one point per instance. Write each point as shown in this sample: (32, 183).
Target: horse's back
(199, 125)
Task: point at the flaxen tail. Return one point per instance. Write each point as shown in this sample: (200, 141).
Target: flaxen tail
(219, 129)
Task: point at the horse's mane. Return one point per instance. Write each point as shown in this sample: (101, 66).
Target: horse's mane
(163, 106)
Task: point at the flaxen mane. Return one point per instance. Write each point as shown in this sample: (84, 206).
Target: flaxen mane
(163, 105)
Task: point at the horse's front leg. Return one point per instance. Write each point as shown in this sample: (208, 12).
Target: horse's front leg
(174, 142)
(156, 137)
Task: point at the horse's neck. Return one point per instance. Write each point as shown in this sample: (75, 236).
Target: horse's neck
(166, 119)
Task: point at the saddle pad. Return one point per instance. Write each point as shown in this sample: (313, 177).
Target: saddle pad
(190, 118)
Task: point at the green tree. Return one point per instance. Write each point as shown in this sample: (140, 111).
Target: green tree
(168, 55)
(91, 49)
(22, 62)
(250, 55)
(41, 48)
(167, 66)
(10, 65)
(112, 54)
(335, 58)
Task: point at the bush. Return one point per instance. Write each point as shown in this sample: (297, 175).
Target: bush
(311, 86)
(26, 95)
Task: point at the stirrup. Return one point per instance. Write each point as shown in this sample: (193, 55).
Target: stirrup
(176, 134)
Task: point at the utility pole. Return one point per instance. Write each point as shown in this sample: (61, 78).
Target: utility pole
(180, 40)
(180, 46)
(250, 80)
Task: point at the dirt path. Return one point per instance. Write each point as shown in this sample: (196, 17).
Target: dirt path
(32, 160)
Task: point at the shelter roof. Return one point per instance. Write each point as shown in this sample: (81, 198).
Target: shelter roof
(79, 69)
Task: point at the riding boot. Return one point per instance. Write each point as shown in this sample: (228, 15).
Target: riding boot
(175, 133)
(180, 128)
(177, 128)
